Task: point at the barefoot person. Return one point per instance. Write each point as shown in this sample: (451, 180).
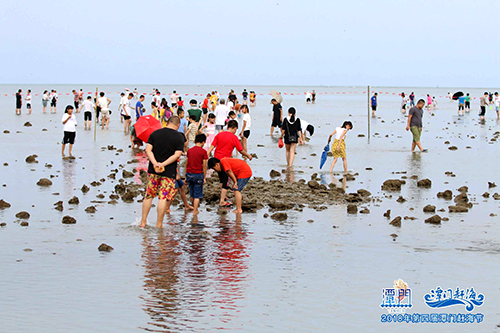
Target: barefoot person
(415, 124)
(88, 108)
(291, 130)
(224, 144)
(245, 128)
(28, 101)
(69, 128)
(164, 148)
(374, 104)
(104, 103)
(238, 171)
(19, 101)
(196, 170)
(277, 115)
(338, 146)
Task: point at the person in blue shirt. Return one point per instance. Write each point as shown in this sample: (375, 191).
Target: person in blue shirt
(461, 105)
(412, 99)
(139, 108)
(374, 103)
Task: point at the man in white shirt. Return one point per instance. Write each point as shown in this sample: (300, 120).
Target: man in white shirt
(157, 98)
(88, 108)
(104, 102)
(123, 101)
(221, 112)
(306, 127)
(127, 113)
(53, 101)
(173, 99)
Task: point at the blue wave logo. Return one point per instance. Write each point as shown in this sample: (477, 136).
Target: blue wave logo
(439, 298)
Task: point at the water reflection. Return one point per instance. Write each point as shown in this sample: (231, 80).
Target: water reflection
(68, 171)
(194, 275)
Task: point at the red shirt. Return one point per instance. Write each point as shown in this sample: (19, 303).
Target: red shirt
(205, 103)
(180, 103)
(195, 157)
(239, 167)
(224, 143)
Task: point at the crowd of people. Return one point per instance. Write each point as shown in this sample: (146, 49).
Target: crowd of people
(208, 132)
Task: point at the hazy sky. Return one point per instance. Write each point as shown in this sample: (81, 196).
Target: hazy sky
(281, 42)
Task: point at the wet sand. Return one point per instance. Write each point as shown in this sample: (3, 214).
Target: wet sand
(315, 268)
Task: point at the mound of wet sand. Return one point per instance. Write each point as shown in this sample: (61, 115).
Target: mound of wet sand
(392, 185)
(31, 159)
(436, 219)
(23, 215)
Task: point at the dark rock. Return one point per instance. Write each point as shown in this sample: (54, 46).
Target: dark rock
(410, 218)
(353, 197)
(31, 159)
(364, 193)
(105, 248)
(401, 199)
(74, 201)
(458, 209)
(392, 185)
(4, 204)
(44, 182)
(396, 222)
(68, 220)
(447, 195)
(85, 188)
(59, 206)
(425, 183)
(388, 214)
(352, 209)
(274, 173)
(463, 189)
(100, 196)
(95, 183)
(365, 211)
(496, 196)
(127, 174)
(3, 224)
(486, 195)
(436, 219)
(24, 224)
(491, 185)
(6, 131)
(313, 184)
(90, 209)
(23, 215)
(279, 216)
(461, 199)
(114, 196)
(27, 124)
(429, 209)
(453, 148)
(266, 215)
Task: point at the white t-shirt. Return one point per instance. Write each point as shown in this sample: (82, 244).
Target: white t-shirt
(88, 105)
(339, 132)
(174, 98)
(103, 102)
(497, 101)
(221, 112)
(123, 103)
(304, 125)
(70, 126)
(246, 117)
(157, 100)
(28, 99)
(308, 95)
(45, 97)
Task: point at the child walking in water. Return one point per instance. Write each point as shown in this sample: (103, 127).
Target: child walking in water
(210, 130)
(338, 146)
(245, 128)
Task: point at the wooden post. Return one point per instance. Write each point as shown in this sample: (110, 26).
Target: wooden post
(95, 113)
(368, 114)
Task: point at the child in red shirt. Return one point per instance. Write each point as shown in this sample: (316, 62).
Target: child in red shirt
(196, 170)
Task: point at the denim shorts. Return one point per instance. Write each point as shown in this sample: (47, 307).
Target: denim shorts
(179, 183)
(195, 183)
(241, 183)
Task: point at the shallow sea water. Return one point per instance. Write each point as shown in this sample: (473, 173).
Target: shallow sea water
(248, 273)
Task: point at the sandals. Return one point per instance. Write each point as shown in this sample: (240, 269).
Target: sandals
(226, 204)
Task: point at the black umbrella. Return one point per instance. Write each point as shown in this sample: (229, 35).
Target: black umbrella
(457, 95)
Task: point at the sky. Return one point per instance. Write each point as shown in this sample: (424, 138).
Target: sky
(281, 42)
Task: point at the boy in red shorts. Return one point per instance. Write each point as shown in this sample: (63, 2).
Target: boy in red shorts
(238, 171)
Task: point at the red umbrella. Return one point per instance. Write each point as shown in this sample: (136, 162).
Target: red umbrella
(146, 125)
